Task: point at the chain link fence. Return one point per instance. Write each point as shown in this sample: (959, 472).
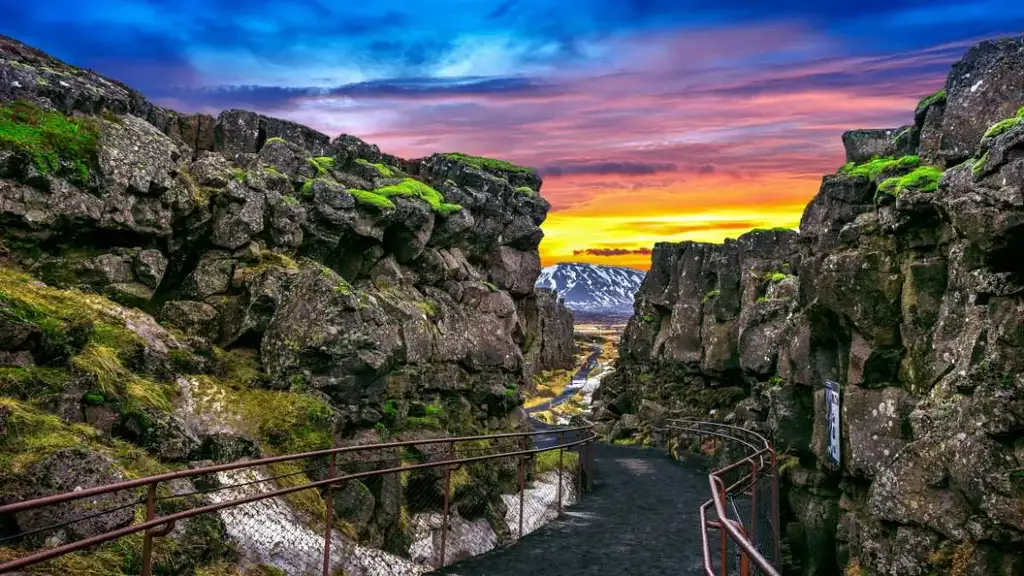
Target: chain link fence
(394, 509)
(743, 486)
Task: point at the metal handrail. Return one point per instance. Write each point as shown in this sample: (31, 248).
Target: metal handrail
(758, 449)
(152, 525)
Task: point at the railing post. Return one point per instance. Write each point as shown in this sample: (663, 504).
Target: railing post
(447, 496)
(147, 540)
(522, 485)
(753, 502)
(330, 515)
(561, 470)
(775, 509)
(722, 531)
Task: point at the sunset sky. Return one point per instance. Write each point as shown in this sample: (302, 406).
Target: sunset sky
(650, 120)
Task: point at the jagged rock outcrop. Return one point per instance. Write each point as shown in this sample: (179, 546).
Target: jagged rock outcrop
(546, 332)
(905, 285)
(343, 286)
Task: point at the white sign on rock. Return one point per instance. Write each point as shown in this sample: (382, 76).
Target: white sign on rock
(832, 422)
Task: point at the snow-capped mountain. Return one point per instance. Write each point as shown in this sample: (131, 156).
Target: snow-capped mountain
(592, 287)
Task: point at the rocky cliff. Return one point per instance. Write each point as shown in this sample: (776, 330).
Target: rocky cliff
(905, 284)
(181, 287)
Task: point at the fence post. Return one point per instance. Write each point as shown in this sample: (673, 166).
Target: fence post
(522, 485)
(725, 537)
(147, 540)
(753, 503)
(330, 516)
(561, 470)
(444, 523)
(775, 508)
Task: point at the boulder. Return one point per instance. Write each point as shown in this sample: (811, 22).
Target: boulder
(64, 471)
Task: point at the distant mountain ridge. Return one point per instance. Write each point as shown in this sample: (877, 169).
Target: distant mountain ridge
(593, 287)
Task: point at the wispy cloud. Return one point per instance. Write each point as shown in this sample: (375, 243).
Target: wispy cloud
(650, 120)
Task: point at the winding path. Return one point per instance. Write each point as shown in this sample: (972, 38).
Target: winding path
(549, 440)
(641, 518)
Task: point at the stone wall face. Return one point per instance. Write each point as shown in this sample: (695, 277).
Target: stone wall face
(905, 284)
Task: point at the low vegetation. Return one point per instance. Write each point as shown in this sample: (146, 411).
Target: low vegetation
(55, 142)
(922, 179)
(415, 188)
(1004, 126)
(482, 163)
(872, 169)
(938, 97)
(381, 169)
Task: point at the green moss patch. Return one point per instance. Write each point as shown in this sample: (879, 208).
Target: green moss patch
(381, 169)
(1004, 126)
(415, 188)
(322, 164)
(978, 166)
(711, 294)
(938, 97)
(373, 199)
(873, 168)
(526, 190)
(56, 143)
(482, 163)
(286, 422)
(922, 178)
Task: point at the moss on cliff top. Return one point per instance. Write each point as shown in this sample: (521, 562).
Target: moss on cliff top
(381, 169)
(368, 198)
(483, 163)
(1004, 126)
(54, 141)
(937, 98)
(872, 169)
(415, 188)
(922, 178)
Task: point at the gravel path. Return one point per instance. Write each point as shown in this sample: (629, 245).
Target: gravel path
(642, 517)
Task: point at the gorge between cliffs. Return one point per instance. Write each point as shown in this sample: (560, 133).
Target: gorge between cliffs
(178, 290)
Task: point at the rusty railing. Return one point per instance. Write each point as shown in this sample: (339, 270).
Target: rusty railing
(440, 458)
(748, 540)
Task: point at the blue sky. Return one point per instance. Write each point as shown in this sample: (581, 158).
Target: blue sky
(690, 112)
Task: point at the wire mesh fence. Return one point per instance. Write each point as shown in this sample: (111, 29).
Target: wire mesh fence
(744, 496)
(394, 509)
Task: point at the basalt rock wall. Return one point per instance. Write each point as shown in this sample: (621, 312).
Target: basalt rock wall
(320, 290)
(905, 285)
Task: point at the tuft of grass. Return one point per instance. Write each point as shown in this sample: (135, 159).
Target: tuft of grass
(774, 276)
(871, 169)
(273, 139)
(548, 460)
(483, 163)
(711, 294)
(290, 200)
(238, 174)
(414, 188)
(526, 190)
(322, 164)
(373, 199)
(381, 169)
(55, 142)
(647, 318)
(922, 178)
(103, 365)
(284, 421)
(936, 98)
(428, 308)
(490, 286)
